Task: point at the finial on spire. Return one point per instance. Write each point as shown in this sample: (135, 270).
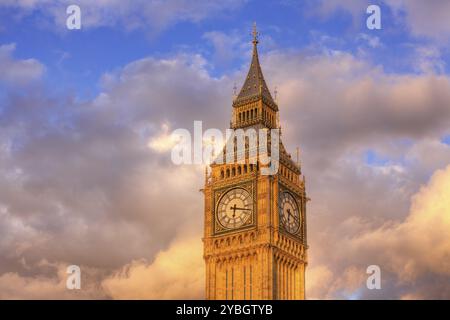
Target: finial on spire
(275, 93)
(255, 34)
(235, 89)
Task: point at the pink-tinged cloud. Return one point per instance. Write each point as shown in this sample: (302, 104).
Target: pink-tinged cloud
(421, 18)
(406, 251)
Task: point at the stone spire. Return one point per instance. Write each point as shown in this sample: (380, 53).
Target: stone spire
(255, 86)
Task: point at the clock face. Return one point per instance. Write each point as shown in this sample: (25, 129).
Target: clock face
(289, 213)
(234, 208)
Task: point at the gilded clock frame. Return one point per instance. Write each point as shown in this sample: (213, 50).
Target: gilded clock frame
(300, 201)
(248, 186)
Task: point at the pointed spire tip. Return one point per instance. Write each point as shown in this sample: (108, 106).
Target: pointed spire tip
(255, 34)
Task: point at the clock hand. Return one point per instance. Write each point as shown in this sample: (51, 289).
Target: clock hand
(296, 219)
(289, 215)
(235, 207)
(234, 210)
(243, 209)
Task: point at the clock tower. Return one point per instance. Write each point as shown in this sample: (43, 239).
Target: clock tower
(255, 225)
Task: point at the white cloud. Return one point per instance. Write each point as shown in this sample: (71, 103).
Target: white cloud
(372, 41)
(154, 15)
(164, 141)
(428, 60)
(18, 72)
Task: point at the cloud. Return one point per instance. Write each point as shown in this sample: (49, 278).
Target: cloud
(354, 103)
(372, 41)
(428, 60)
(429, 19)
(16, 287)
(318, 279)
(80, 183)
(423, 233)
(153, 15)
(176, 273)
(18, 72)
(92, 183)
(164, 142)
(48, 286)
(422, 18)
(328, 7)
(399, 249)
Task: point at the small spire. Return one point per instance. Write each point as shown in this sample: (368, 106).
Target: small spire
(255, 86)
(298, 157)
(235, 89)
(255, 34)
(275, 94)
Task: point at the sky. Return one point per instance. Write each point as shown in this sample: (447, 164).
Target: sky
(86, 116)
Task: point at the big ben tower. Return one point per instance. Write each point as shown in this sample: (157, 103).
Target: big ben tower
(255, 225)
